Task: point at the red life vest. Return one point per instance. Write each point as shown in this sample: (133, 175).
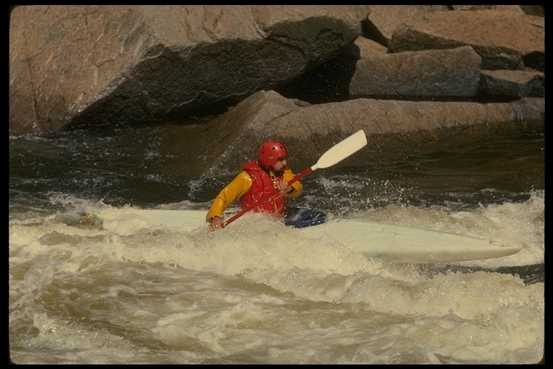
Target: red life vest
(261, 190)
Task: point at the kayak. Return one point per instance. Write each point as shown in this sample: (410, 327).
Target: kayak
(390, 242)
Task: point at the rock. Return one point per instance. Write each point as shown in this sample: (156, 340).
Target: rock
(505, 8)
(326, 83)
(139, 64)
(230, 139)
(502, 39)
(23, 110)
(392, 127)
(383, 20)
(364, 48)
(331, 80)
(512, 84)
(393, 116)
(444, 73)
(536, 10)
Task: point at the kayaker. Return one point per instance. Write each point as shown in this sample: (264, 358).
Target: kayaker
(260, 181)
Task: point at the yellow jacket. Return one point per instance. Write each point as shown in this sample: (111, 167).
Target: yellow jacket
(239, 186)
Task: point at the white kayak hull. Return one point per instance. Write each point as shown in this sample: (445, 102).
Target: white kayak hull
(374, 240)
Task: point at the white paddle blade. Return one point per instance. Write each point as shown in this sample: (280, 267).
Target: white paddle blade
(342, 150)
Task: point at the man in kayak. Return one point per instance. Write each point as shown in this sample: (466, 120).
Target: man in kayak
(263, 185)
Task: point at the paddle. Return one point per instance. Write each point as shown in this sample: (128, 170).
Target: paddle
(334, 155)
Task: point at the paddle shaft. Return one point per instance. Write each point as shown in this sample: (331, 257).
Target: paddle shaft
(296, 178)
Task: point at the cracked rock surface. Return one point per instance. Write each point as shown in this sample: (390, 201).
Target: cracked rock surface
(71, 65)
(446, 73)
(504, 40)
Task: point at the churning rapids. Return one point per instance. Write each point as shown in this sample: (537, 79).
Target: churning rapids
(86, 292)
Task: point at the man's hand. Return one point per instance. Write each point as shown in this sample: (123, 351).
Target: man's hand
(216, 223)
(282, 186)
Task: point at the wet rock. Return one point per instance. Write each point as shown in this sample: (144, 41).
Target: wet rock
(512, 84)
(140, 64)
(502, 39)
(383, 20)
(443, 73)
(393, 128)
(230, 140)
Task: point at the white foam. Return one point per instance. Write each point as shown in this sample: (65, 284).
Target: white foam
(383, 313)
(257, 242)
(75, 344)
(467, 295)
(517, 224)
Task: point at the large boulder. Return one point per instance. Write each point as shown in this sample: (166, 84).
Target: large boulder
(392, 127)
(511, 83)
(135, 64)
(446, 73)
(502, 39)
(383, 20)
(221, 146)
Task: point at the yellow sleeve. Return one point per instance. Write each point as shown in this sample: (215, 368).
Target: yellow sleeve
(297, 186)
(234, 190)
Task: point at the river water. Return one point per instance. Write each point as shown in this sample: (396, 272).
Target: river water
(85, 293)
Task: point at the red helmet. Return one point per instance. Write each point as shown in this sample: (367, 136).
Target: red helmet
(270, 152)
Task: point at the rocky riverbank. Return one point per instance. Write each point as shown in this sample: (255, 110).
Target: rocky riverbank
(407, 74)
